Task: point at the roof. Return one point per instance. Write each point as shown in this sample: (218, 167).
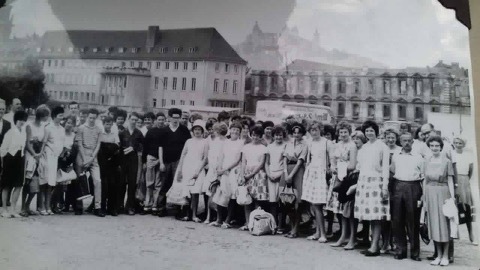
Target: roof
(208, 43)
(304, 65)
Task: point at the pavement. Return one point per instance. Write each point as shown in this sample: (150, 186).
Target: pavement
(147, 242)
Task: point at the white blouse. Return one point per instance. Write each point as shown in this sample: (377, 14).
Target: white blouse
(377, 163)
(13, 142)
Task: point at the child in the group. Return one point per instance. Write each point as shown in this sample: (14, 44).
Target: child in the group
(274, 167)
(215, 147)
(229, 170)
(253, 171)
(194, 156)
(315, 188)
(54, 141)
(11, 152)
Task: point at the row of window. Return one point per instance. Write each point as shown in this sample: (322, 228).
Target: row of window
(71, 95)
(119, 50)
(164, 80)
(225, 104)
(226, 68)
(77, 79)
(402, 111)
(226, 85)
(114, 81)
(172, 102)
(158, 65)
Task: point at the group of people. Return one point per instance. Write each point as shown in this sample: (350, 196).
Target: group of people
(391, 181)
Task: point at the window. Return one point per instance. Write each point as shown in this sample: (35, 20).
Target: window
(184, 84)
(96, 49)
(165, 83)
(194, 66)
(164, 50)
(149, 65)
(356, 87)
(402, 87)
(60, 95)
(342, 86)
(82, 96)
(140, 64)
(326, 86)
(326, 104)
(121, 50)
(175, 65)
(172, 102)
(386, 87)
(56, 63)
(71, 95)
(371, 85)
(194, 84)
(156, 83)
(227, 68)
(174, 84)
(62, 63)
(49, 63)
(158, 65)
(235, 69)
(167, 65)
(434, 87)
(164, 102)
(185, 66)
(215, 86)
(371, 111)
(193, 49)
(177, 49)
(132, 64)
(192, 103)
(93, 96)
(76, 95)
(217, 67)
(88, 96)
(108, 49)
(435, 109)
(154, 103)
(418, 113)
(235, 85)
(124, 64)
(386, 112)
(355, 110)
(125, 82)
(341, 109)
(135, 50)
(225, 86)
(402, 112)
(182, 102)
(418, 87)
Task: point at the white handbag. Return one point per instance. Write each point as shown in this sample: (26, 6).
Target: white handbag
(66, 176)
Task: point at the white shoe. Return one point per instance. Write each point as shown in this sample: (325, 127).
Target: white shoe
(6, 215)
(436, 261)
(444, 262)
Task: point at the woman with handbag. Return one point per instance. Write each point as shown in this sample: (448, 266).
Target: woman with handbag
(274, 167)
(371, 197)
(315, 188)
(253, 173)
(463, 168)
(438, 187)
(294, 158)
(345, 158)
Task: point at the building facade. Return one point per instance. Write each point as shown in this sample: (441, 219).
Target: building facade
(360, 94)
(143, 69)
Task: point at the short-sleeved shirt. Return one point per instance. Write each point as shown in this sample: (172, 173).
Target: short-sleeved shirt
(253, 154)
(438, 171)
(296, 150)
(407, 166)
(88, 136)
(462, 161)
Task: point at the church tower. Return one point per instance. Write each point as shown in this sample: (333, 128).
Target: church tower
(316, 37)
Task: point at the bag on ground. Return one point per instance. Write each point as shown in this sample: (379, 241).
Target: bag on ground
(261, 223)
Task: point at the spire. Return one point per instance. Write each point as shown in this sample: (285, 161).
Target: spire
(316, 37)
(256, 28)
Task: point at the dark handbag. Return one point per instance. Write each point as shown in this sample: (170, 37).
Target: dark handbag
(350, 180)
(424, 233)
(288, 195)
(464, 213)
(84, 187)
(328, 175)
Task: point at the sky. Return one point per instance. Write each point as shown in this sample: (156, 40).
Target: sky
(399, 34)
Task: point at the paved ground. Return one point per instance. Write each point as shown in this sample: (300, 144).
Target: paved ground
(141, 242)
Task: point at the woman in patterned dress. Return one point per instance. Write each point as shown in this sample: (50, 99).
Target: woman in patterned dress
(346, 159)
(294, 158)
(315, 188)
(371, 198)
(253, 171)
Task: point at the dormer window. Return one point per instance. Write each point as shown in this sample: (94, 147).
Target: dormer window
(121, 50)
(70, 49)
(108, 50)
(193, 49)
(164, 50)
(149, 49)
(96, 49)
(84, 49)
(135, 50)
(177, 49)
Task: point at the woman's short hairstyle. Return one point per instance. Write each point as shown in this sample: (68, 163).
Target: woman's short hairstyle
(121, 113)
(315, 124)
(56, 111)
(149, 115)
(328, 129)
(20, 116)
(391, 131)
(73, 118)
(136, 115)
(435, 139)
(461, 138)
(257, 130)
(173, 111)
(358, 134)
(298, 126)
(344, 125)
(370, 124)
(42, 111)
(279, 130)
(236, 125)
(221, 128)
(268, 124)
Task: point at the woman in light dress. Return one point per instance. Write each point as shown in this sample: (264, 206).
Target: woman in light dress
(315, 188)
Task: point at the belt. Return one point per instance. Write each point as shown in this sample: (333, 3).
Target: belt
(292, 162)
(408, 181)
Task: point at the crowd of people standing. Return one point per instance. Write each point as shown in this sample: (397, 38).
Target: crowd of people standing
(391, 182)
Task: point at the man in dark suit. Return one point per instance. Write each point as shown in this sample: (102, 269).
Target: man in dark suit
(4, 127)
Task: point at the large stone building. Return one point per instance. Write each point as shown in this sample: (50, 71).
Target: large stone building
(143, 69)
(358, 94)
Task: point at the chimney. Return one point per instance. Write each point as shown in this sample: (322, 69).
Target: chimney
(153, 36)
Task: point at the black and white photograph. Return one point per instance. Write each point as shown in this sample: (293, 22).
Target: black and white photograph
(239, 134)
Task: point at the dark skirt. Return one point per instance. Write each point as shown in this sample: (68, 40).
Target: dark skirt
(13, 170)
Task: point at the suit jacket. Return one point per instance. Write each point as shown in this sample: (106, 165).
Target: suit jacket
(6, 126)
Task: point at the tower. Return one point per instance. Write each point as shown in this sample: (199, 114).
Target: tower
(5, 22)
(316, 37)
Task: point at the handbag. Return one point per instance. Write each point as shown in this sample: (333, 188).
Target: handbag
(464, 213)
(287, 195)
(243, 197)
(84, 187)
(63, 176)
(424, 229)
(328, 175)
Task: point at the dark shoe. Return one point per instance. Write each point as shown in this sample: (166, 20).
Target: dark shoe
(113, 213)
(450, 260)
(66, 209)
(416, 258)
(431, 258)
(162, 213)
(78, 213)
(98, 213)
(90, 209)
(368, 253)
(400, 256)
(131, 212)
